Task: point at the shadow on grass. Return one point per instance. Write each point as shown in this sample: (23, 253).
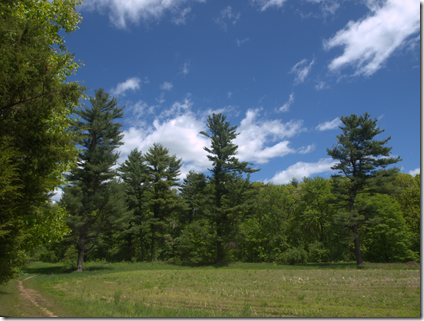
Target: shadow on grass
(48, 270)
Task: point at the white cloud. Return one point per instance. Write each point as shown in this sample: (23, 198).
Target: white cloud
(301, 70)
(129, 84)
(240, 42)
(225, 15)
(186, 67)
(301, 169)
(254, 135)
(265, 4)
(335, 123)
(369, 42)
(180, 19)
(229, 94)
(58, 195)
(123, 11)
(308, 149)
(161, 99)
(166, 85)
(286, 106)
(415, 171)
(177, 129)
(321, 85)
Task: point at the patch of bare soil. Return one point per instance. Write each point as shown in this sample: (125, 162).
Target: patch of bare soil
(30, 295)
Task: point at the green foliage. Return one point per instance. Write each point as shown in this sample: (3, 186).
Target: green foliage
(363, 168)
(293, 255)
(96, 200)
(387, 238)
(221, 153)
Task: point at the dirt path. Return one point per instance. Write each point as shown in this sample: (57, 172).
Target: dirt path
(34, 297)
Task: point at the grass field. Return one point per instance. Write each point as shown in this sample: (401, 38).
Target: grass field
(236, 290)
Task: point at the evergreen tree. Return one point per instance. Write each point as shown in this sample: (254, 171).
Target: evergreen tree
(95, 199)
(193, 191)
(137, 186)
(224, 163)
(363, 169)
(163, 171)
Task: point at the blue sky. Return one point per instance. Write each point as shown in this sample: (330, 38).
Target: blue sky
(283, 71)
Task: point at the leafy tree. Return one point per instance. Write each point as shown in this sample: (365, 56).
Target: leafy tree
(163, 171)
(95, 200)
(222, 152)
(36, 136)
(387, 238)
(135, 176)
(362, 163)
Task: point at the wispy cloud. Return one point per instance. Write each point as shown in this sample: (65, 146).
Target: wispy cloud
(415, 171)
(335, 123)
(123, 11)
(129, 84)
(180, 19)
(265, 4)
(286, 106)
(161, 98)
(369, 42)
(229, 94)
(227, 15)
(308, 149)
(240, 42)
(186, 67)
(301, 70)
(166, 85)
(327, 6)
(301, 169)
(321, 85)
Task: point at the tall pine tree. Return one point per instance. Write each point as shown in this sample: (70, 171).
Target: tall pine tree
(94, 198)
(225, 166)
(163, 171)
(362, 163)
(134, 174)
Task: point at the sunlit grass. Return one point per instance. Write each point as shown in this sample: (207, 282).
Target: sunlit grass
(255, 290)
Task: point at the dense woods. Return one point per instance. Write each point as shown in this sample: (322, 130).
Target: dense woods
(139, 210)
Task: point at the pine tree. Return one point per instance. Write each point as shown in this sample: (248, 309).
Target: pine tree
(163, 171)
(362, 161)
(137, 186)
(94, 198)
(193, 191)
(225, 165)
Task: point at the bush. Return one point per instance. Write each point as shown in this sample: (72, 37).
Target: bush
(318, 252)
(44, 255)
(294, 255)
(71, 257)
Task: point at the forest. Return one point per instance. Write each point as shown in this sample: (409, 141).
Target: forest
(139, 210)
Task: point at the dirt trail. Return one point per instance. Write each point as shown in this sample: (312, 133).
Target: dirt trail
(34, 297)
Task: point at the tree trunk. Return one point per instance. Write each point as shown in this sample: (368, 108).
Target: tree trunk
(80, 256)
(357, 248)
(130, 246)
(219, 247)
(142, 245)
(153, 245)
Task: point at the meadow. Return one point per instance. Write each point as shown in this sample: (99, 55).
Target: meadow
(234, 290)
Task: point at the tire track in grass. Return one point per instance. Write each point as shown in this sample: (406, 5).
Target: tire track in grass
(34, 296)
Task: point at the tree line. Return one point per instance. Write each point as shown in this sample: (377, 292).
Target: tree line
(140, 210)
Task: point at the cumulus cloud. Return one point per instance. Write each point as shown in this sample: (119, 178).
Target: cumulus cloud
(177, 128)
(369, 42)
(255, 134)
(129, 84)
(286, 106)
(301, 70)
(166, 85)
(57, 196)
(301, 169)
(227, 15)
(123, 11)
(265, 4)
(240, 42)
(415, 171)
(335, 123)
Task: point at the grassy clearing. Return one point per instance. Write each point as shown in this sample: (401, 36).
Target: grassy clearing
(257, 290)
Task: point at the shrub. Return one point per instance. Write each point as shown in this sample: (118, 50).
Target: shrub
(294, 255)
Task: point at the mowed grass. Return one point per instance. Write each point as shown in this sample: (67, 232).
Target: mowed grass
(236, 290)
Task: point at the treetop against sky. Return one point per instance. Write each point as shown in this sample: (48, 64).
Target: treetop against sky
(283, 71)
